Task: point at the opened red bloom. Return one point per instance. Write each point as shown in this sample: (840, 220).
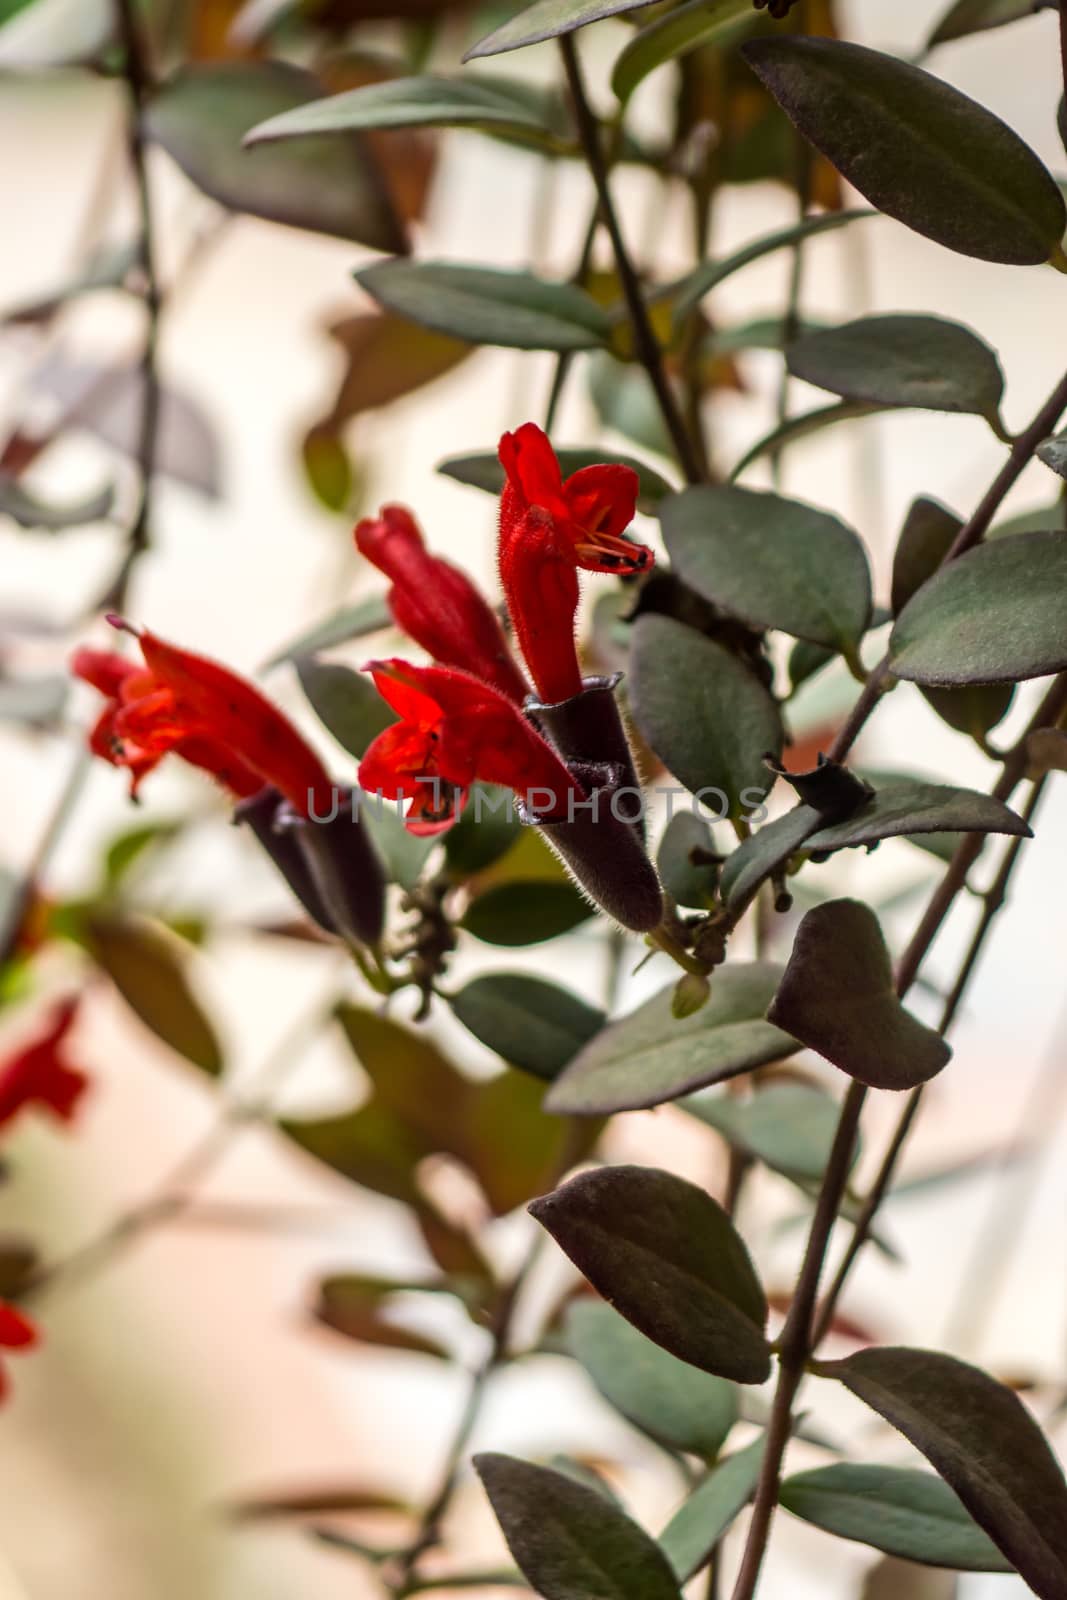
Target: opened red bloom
(42, 1074)
(548, 529)
(454, 729)
(436, 604)
(17, 1332)
(177, 701)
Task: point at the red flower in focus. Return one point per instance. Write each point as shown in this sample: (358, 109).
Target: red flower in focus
(40, 1074)
(436, 604)
(16, 1333)
(208, 715)
(548, 529)
(454, 729)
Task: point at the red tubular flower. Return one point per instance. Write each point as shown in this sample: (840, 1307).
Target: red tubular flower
(454, 729)
(208, 715)
(17, 1332)
(548, 529)
(436, 604)
(40, 1073)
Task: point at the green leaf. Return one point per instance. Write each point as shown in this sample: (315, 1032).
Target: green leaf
(689, 27)
(788, 1126)
(533, 1024)
(926, 538)
(625, 402)
(974, 710)
(413, 1081)
(650, 1056)
(525, 912)
(486, 831)
(403, 854)
(149, 968)
(349, 622)
(672, 1402)
(916, 807)
(670, 1260)
(514, 1149)
(975, 16)
(571, 1542)
(345, 702)
(994, 615)
(29, 511)
(837, 997)
(916, 148)
(547, 19)
(328, 468)
(981, 1439)
(773, 562)
(710, 274)
(486, 305)
(716, 735)
(893, 1579)
(904, 1513)
(904, 360)
(683, 863)
(352, 1306)
(328, 185)
(369, 1146)
(1054, 454)
(764, 851)
(483, 471)
(691, 1535)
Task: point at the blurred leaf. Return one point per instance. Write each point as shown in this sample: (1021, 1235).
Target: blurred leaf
(688, 27)
(983, 1442)
(1035, 521)
(974, 16)
(974, 710)
(571, 1542)
(1046, 750)
(412, 1079)
(547, 19)
(454, 1250)
(329, 185)
(369, 1146)
(625, 401)
(488, 306)
(18, 1258)
(670, 1260)
(805, 660)
(345, 702)
(125, 851)
(532, 1024)
(350, 1306)
(916, 148)
(483, 471)
(685, 871)
(994, 615)
(789, 1126)
(386, 358)
(710, 274)
(30, 512)
(715, 737)
(672, 1402)
(328, 468)
(925, 540)
(149, 968)
(525, 912)
(107, 268)
(53, 33)
(404, 854)
(691, 1535)
(773, 562)
(904, 1513)
(350, 622)
(486, 831)
(35, 702)
(837, 997)
(803, 426)
(649, 1057)
(320, 1501)
(903, 1580)
(514, 1149)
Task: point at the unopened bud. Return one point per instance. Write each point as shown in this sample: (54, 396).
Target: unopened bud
(691, 993)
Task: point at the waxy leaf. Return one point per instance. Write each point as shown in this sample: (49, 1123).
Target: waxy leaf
(670, 1260)
(925, 540)
(149, 968)
(996, 614)
(650, 1056)
(776, 563)
(526, 912)
(688, 27)
(330, 184)
(916, 148)
(486, 305)
(669, 1400)
(975, 16)
(531, 1023)
(905, 1513)
(700, 1521)
(981, 1439)
(422, 102)
(345, 702)
(903, 360)
(547, 19)
(715, 737)
(837, 997)
(789, 1126)
(571, 1541)
(710, 274)
(483, 471)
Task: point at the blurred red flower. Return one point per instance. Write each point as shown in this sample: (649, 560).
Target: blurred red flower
(17, 1332)
(40, 1073)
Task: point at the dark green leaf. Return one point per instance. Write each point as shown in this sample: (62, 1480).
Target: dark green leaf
(1054, 454)
(670, 1260)
(803, 426)
(525, 912)
(650, 1056)
(330, 185)
(1040, 519)
(486, 831)
(974, 710)
(903, 360)
(700, 1521)
(412, 1079)
(570, 1541)
(918, 149)
(997, 614)
(775, 563)
(149, 968)
(28, 511)
(983, 1442)
(350, 622)
(789, 1126)
(1046, 750)
(688, 27)
(765, 851)
(345, 702)
(975, 16)
(547, 19)
(625, 402)
(714, 737)
(686, 861)
(917, 807)
(669, 1400)
(837, 997)
(369, 1146)
(926, 538)
(486, 305)
(531, 1023)
(909, 1514)
(483, 471)
(805, 660)
(711, 273)
(352, 1306)
(514, 1149)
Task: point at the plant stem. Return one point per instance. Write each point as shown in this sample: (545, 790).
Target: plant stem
(647, 345)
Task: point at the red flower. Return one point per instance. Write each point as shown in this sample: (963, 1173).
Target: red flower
(208, 715)
(454, 729)
(548, 529)
(40, 1074)
(16, 1333)
(436, 604)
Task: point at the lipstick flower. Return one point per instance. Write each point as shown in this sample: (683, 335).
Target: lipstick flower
(548, 529)
(436, 604)
(41, 1073)
(17, 1332)
(454, 729)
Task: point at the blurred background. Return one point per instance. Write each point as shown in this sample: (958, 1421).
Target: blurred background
(185, 1372)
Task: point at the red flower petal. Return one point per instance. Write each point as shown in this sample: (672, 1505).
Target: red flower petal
(17, 1332)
